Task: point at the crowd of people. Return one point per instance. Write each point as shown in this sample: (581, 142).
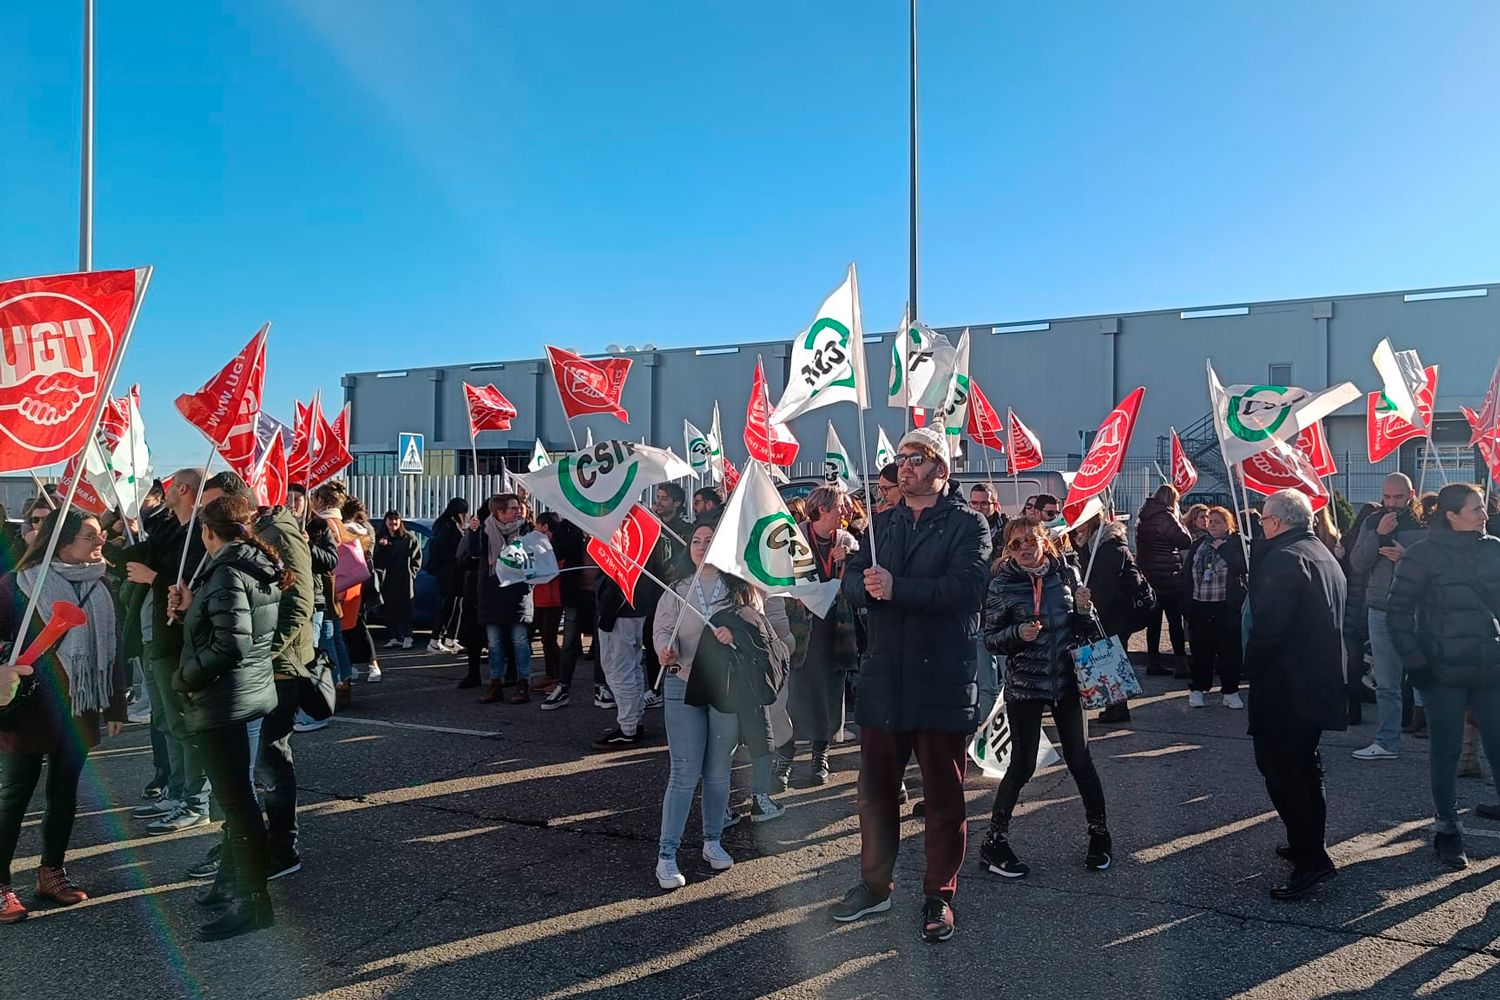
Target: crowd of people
(229, 628)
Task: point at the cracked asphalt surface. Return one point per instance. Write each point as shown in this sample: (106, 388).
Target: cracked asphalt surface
(502, 859)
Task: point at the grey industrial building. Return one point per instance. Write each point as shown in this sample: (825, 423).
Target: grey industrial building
(1060, 375)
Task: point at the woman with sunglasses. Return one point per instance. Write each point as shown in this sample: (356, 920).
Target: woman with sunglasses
(57, 712)
(1034, 613)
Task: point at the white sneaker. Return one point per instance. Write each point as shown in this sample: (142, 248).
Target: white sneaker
(1195, 699)
(393, 644)
(406, 643)
(373, 677)
(652, 700)
(1234, 701)
(309, 727)
(764, 808)
(715, 855)
(436, 646)
(139, 713)
(668, 875)
(1374, 752)
(453, 646)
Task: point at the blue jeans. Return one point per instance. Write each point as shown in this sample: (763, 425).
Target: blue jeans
(988, 679)
(701, 742)
(1386, 665)
(331, 641)
(510, 651)
(1445, 726)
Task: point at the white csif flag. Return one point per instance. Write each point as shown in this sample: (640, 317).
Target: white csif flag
(758, 541)
(885, 453)
(121, 473)
(922, 363)
(828, 358)
(539, 458)
(699, 450)
(1250, 418)
(955, 411)
(528, 558)
(838, 470)
(1403, 377)
(596, 487)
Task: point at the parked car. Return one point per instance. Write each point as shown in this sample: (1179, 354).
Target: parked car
(428, 600)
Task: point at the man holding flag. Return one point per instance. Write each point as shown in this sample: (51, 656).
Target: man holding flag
(917, 691)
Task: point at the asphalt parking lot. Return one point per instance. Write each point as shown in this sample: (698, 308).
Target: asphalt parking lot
(457, 849)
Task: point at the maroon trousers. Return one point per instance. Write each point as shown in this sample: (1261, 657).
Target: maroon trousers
(883, 758)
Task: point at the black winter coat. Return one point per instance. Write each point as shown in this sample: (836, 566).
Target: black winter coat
(1106, 578)
(1294, 658)
(229, 638)
(443, 557)
(1160, 540)
(1042, 669)
(919, 666)
(1444, 610)
(1233, 552)
(161, 550)
(508, 605)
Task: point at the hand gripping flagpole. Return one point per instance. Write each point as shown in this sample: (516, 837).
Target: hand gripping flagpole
(105, 393)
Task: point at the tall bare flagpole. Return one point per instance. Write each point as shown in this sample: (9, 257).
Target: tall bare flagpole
(912, 245)
(86, 182)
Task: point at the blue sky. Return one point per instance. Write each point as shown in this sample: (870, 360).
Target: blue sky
(395, 183)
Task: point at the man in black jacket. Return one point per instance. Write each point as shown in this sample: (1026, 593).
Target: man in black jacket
(1295, 660)
(917, 691)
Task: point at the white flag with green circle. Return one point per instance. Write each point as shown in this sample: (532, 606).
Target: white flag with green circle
(885, 453)
(699, 452)
(758, 541)
(838, 470)
(539, 458)
(828, 358)
(595, 487)
(1251, 418)
(955, 410)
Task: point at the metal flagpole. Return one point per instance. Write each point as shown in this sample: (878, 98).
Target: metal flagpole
(202, 481)
(86, 181)
(864, 460)
(912, 234)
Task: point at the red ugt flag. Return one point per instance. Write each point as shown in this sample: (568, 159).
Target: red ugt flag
(270, 478)
(114, 424)
(1184, 474)
(623, 558)
(1025, 449)
(1385, 431)
(1105, 455)
(219, 408)
(331, 457)
(489, 410)
(984, 423)
(303, 444)
(767, 442)
(587, 386)
(61, 338)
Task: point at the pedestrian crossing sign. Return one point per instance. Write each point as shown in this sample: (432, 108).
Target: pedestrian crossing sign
(410, 448)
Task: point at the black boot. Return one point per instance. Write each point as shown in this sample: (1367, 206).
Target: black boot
(221, 892)
(252, 913)
(1101, 848)
(785, 754)
(1118, 711)
(819, 775)
(251, 907)
(1450, 850)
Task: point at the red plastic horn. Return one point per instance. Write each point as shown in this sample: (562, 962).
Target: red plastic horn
(65, 616)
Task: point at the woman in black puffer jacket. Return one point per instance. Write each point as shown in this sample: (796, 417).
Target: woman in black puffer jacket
(1034, 611)
(1444, 613)
(1160, 541)
(228, 682)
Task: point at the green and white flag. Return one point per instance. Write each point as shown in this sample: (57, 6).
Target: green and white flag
(837, 469)
(1404, 378)
(885, 454)
(121, 474)
(699, 450)
(955, 411)
(922, 363)
(828, 358)
(758, 541)
(595, 487)
(539, 458)
(716, 450)
(1251, 418)
(528, 558)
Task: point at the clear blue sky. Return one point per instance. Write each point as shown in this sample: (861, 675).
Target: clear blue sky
(403, 183)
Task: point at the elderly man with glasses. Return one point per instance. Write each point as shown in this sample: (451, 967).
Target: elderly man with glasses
(922, 581)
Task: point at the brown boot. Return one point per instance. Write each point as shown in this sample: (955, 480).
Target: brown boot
(54, 884)
(343, 696)
(522, 695)
(494, 694)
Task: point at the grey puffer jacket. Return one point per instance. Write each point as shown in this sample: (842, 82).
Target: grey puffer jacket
(229, 637)
(1367, 561)
(1042, 669)
(1445, 610)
